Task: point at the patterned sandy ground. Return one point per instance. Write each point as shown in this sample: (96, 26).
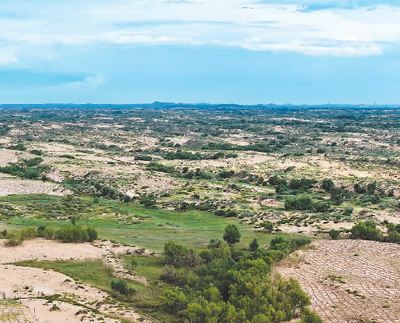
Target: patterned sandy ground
(370, 268)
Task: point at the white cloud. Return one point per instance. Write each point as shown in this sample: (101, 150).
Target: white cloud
(248, 24)
(89, 82)
(7, 57)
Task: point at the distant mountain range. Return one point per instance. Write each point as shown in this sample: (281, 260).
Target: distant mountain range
(171, 105)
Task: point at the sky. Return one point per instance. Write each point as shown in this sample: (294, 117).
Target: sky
(217, 51)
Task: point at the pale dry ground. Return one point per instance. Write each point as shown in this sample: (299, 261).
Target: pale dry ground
(29, 283)
(20, 186)
(370, 268)
(7, 157)
(5, 140)
(316, 227)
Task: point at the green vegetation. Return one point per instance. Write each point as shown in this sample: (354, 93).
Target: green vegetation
(173, 187)
(232, 286)
(136, 225)
(232, 234)
(94, 273)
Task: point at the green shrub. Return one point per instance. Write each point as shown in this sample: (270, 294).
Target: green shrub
(48, 233)
(32, 162)
(310, 317)
(334, 234)
(36, 152)
(254, 245)
(92, 234)
(28, 233)
(366, 231)
(268, 226)
(13, 239)
(121, 286)
(72, 233)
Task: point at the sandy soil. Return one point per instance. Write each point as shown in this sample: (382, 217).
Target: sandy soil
(40, 249)
(7, 157)
(19, 186)
(29, 283)
(370, 268)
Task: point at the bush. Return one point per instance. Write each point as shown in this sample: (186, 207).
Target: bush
(33, 162)
(19, 146)
(92, 234)
(366, 231)
(13, 239)
(268, 226)
(28, 233)
(121, 286)
(301, 203)
(144, 158)
(327, 185)
(36, 152)
(48, 233)
(334, 234)
(72, 233)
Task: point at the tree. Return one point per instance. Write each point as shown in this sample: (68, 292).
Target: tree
(366, 230)
(232, 234)
(310, 317)
(327, 185)
(254, 245)
(268, 226)
(175, 254)
(174, 300)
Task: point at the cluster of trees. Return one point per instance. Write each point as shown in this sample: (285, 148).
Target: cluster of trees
(282, 186)
(305, 203)
(72, 233)
(21, 171)
(369, 231)
(179, 154)
(68, 233)
(224, 284)
(97, 188)
(28, 168)
(365, 193)
(153, 166)
(271, 146)
(19, 146)
(185, 155)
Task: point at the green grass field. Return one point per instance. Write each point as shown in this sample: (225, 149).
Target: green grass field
(150, 228)
(93, 273)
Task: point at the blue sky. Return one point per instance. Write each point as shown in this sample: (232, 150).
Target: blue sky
(221, 51)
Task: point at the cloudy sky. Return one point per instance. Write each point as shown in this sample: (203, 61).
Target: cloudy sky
(222, 51)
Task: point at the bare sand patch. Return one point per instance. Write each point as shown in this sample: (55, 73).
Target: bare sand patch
(25, 282)
(5, 140)
(370, 275)
(20, 186)
(7, 157)
(40, 249)
(29, 284)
